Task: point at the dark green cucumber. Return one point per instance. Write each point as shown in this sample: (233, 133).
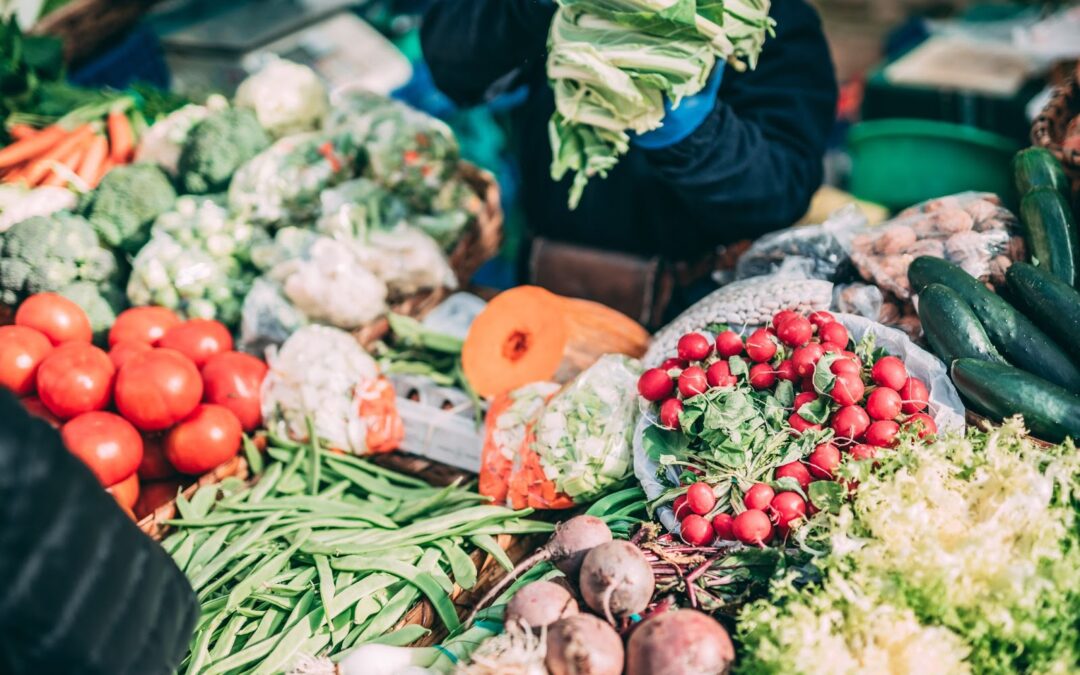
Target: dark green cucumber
(1051, 303)
(1015, 336)
(1000, 391)
(951, 327)
(1038, 168)
(1051, 233)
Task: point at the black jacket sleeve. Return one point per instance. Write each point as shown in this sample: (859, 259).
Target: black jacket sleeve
(84, 590)
(473, 45)
(757, 160)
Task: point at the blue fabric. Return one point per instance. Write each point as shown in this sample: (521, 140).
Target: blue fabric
(684, 120)
(137, 57)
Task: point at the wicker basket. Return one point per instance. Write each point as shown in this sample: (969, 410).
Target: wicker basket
(1052, 126)
(154, 523)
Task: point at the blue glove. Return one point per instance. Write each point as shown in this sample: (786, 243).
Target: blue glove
(684, 120)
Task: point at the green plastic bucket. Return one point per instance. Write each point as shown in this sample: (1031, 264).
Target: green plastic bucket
(900, 162)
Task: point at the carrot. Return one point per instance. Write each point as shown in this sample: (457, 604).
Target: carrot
(378, 409)
(120, 136)
(528, 334)
(28, 148)
(76, 140)
(22, 131)
(92, 167)
(71, 161)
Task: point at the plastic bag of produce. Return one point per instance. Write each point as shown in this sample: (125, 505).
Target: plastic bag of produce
(824, 247)
(568, 450)
(970, 229)
(356, 207)
(323, 373)
(287, 97)
(267, 317)
(283, 183)
(164, 141)
(406, 260)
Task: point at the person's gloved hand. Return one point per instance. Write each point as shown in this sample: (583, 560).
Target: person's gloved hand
(684, 120)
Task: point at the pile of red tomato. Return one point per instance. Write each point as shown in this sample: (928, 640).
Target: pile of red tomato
(865, 405)
(169, 397)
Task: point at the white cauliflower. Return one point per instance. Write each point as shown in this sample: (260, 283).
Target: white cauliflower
(18, 203)
(286, 97)
(406, 260)
(163, 142)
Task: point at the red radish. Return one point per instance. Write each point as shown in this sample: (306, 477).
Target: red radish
(832, 348)
(786, 371)
(805, 358)
(796, 470)
(800, 425)
(655, 385)
(804, 397)
(762, 376)
(795, 332)
(845, 366)
(696, 531)
(862, 452)
(915, 395)
(721, 525)
(680, 508)
(700, 498)
(824, 460)
(848, 389)
(889, 372)
(673, 364)
(882, 433)
(729, 344)
(834, 332)
(883, 404)
(693, 382)
(788, 507)
(850, 422)
(760, 346)
(752, 527)
(719, 375)
(923, 422)
(758, 496)
(819, 319)
(808, 385)
(694, 347)
(669, 413)
(783, 316)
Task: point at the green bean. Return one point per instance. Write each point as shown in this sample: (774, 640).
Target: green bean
(215, 521)
(265, 571)
(303, 606)
(461, 565)
(371, 583)
(371, 484)
(249, 654)
(289, 644)
(402, 637)
(427, 582)
(293, 465)
(361, 563)
(227, 576)
(326, 583)
(376, 470)
(208, 549)
(238, 545)
(201, 652)
(352, 637)
(202, 500)
(268, 624)
(249, 613)
(291, 485)
(265, 484)
(173, 541)
(253, 456)
(274, 600)
(370, 605)
(316, 457)
(335, 490)
(184, 552)
(277, 441)
(316, 506)
(390, 613)
(487, 544)
(343, 581)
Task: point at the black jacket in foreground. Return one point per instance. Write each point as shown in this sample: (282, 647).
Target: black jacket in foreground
(84, 590)
(752, 167)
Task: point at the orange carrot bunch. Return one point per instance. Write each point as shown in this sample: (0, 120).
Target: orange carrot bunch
(58, 155)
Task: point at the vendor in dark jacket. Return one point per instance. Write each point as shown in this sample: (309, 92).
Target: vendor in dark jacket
(742, 158)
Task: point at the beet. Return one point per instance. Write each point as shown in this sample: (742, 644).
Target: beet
(679, 642)
(616, 580)
(540, 604)
(583, 645)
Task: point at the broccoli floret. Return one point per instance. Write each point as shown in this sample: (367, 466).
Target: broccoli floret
(101, 306)
(50, 253)
(217, 146)
(126, 202)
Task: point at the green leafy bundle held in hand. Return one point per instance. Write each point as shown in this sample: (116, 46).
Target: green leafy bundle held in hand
(323, 553)
(612, 64)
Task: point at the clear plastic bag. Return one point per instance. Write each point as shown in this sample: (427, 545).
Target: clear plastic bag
(823, 248)
(861, 299)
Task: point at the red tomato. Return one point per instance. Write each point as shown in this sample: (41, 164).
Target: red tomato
(154, 465)
(142, 324)
(209, 436)
(125, 349)
(35, 407)
(75, 378)
(126, 492)
(22, 350)
(198, 339)
(60, 319)
(234, 380)
(157, 389)
(154, 494)
(105, 442)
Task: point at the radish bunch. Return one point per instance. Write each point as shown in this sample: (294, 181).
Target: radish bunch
(844, 406)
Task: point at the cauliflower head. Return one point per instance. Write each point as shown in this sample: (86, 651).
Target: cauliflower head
(217, 146)
(286, 97)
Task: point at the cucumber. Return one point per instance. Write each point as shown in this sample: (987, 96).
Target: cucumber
(951, 327)
(1038, 168)
(1052, 304)
(1000, 391)
(1016, 337)
(1051, 233)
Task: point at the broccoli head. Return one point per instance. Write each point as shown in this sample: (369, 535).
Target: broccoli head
(49, 253)
(217, 146)
(100, 305)
(126, 202)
